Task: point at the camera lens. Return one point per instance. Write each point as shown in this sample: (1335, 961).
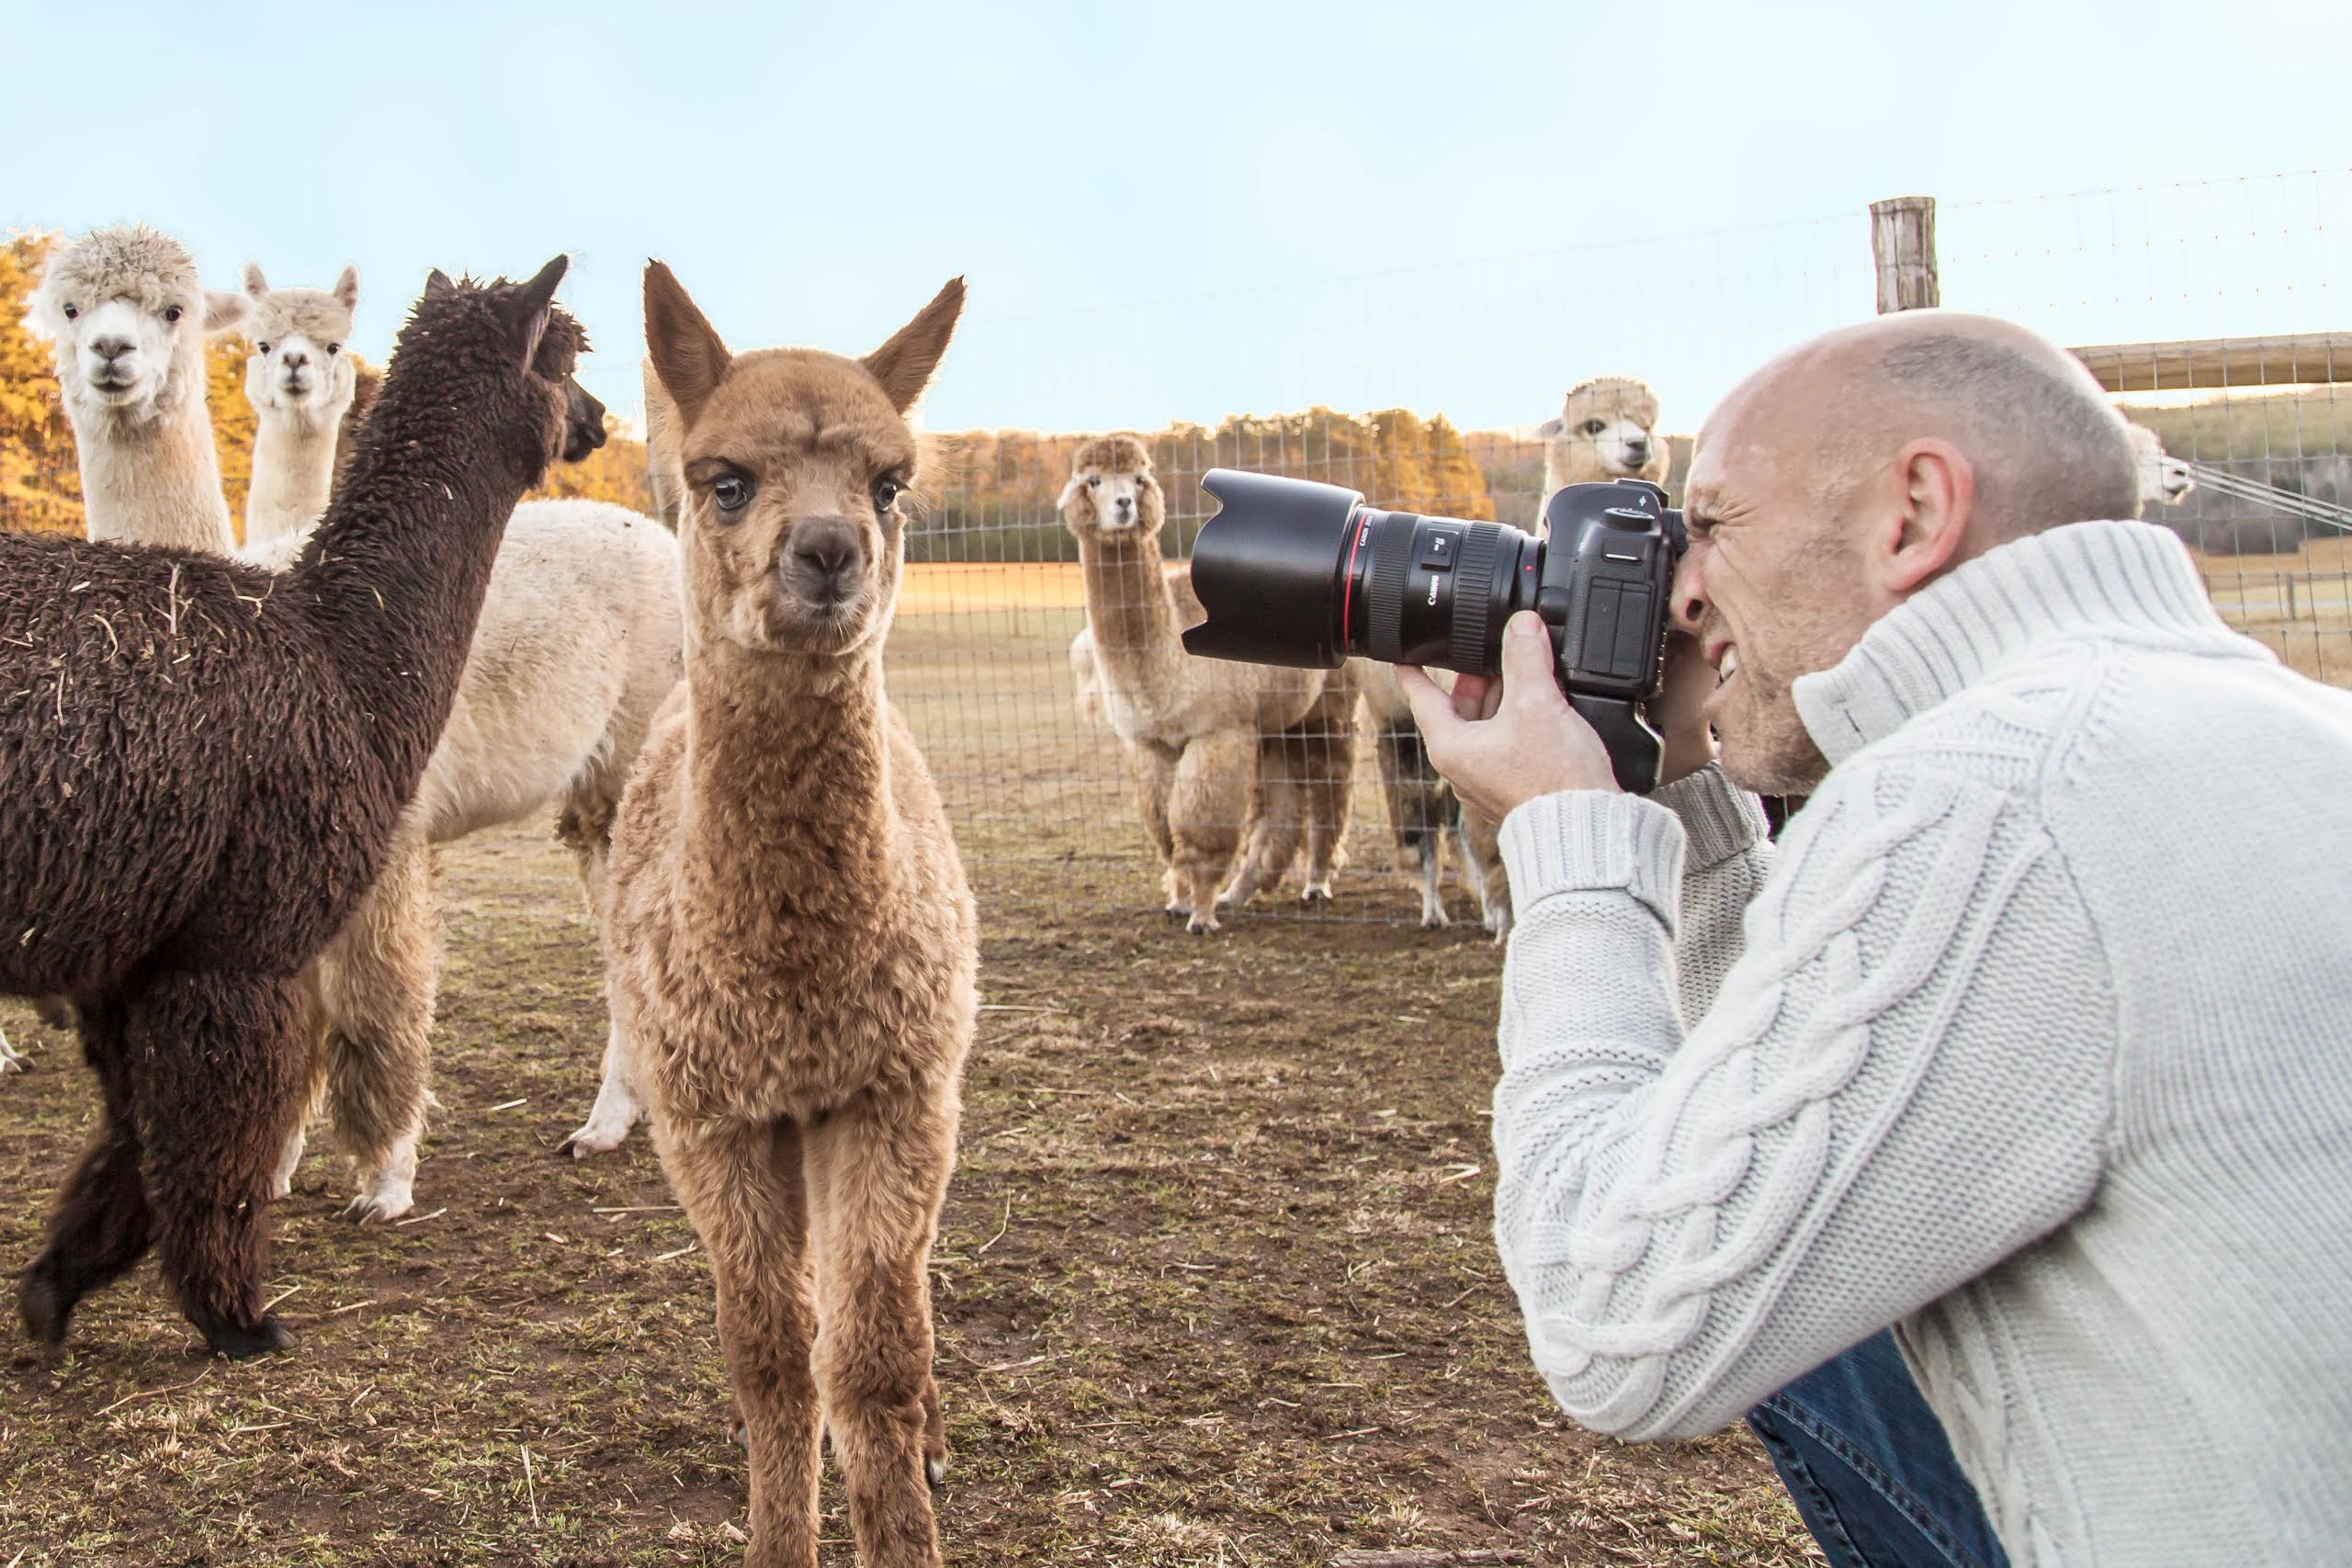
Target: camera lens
(1299, 573)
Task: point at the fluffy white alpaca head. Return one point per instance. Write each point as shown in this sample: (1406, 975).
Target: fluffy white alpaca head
(129, 317)
(1607, 430)
(2164, 478)
(1111, 488)
(298, 368)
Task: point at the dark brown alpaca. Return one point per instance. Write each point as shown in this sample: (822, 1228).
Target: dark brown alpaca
(200, 766)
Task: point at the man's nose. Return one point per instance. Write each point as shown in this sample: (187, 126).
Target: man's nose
(1689, 593)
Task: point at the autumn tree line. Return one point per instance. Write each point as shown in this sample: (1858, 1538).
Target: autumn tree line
(992, 496)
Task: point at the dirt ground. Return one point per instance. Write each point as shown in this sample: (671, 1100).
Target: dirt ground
(1215, 1284)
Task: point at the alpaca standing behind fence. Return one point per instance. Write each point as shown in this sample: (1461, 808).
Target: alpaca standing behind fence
(201, 765)
(792, 942)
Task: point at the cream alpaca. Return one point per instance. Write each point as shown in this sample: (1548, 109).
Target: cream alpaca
(1177, 714)
(792, 943)
(127, 318)
(577, 645)
(1607, 430)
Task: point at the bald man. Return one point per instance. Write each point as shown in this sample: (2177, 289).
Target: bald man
(2032, 1037)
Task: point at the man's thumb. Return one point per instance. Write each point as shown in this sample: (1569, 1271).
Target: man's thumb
(1527, 657)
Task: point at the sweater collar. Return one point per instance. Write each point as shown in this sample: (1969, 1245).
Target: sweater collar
(2114, 581)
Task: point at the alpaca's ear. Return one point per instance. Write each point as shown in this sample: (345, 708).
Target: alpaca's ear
(904, 365)
(436, 283)
(526, 308)
(1548, 431)
(257, 286)
(346, 287)
(1070, 492)
(222, 313)
(686, 351)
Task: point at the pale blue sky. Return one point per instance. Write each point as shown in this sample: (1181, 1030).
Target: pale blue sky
(1172, 212)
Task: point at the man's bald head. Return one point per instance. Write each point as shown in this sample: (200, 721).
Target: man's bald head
(2044, 444)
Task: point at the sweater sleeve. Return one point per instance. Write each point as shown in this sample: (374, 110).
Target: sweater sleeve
(1728, 852)
(1903, 1081)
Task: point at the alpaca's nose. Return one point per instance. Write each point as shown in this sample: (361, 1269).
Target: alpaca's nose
(111, 348)
(296, 359)
(825, 550)
(1637, 448)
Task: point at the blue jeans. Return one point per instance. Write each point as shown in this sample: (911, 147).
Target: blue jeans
(1869, 1468)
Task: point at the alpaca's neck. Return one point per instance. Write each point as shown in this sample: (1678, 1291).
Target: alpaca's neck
(152, 478)
(293, 474)
(788, 770)
(394, 574)
(1126, 600)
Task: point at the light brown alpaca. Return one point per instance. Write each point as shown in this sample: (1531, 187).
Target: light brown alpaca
(1181, 716)
(792, 945)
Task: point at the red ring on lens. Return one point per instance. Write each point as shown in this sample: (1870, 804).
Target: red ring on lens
(1348, 594)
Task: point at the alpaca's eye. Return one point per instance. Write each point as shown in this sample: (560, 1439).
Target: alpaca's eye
(173, 315)
(731, 493)
(72, 311)
(1094, 481)
(334, 348)
(886, 493)
(1594, 427)
(262, 349)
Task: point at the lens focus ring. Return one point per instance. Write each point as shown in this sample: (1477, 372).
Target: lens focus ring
(1392, 561)
(1468, 644)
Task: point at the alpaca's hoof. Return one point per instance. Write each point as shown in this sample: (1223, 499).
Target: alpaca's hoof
(44, 1308)
(1177, 912)
(11, 1063)
(244, 1344)
(377, 1208)
(1435, 920)
(1201, 925)
(1315, 893)
(592, 1140)
(934, 1469)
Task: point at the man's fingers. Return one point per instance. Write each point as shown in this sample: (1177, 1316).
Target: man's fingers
(1472, 696)
(1431, 708)
(1528, 662)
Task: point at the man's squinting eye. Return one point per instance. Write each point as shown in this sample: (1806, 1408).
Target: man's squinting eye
(730, 492)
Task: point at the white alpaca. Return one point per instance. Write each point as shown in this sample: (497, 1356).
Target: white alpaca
(578, 643)
(300, 383)
(1607, 430)
(128, 318)
(2164, 478)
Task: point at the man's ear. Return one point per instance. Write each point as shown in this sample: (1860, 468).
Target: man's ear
(1927, 532)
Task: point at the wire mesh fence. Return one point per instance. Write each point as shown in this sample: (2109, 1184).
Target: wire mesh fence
(1116, 775)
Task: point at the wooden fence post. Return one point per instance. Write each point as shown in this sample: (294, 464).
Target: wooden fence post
(1903, 243)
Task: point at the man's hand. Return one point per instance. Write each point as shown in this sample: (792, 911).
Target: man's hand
(1502, 742)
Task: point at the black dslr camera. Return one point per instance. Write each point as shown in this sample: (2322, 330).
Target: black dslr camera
(1299, 573)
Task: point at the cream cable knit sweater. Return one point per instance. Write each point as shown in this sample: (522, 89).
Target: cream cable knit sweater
(2033, 1038)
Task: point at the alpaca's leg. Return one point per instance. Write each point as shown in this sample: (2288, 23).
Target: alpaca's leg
(587, 825)
(1155, 769)
(1330, 756)
(1277, 821)
(223, 1063)
(379, 976)
(11, 1059)
(57, 1012)
(617, 1108)
(102, 1225)
(1208, 806)
(744, 1190)
(281, 1181)
(1482, 860)
(877, 1175)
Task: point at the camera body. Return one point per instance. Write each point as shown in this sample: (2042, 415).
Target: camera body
(1300, 573)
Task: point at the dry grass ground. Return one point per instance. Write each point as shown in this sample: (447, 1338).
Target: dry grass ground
(1214, 1286)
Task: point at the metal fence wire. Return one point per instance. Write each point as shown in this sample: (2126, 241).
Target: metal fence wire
(2207, 308)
